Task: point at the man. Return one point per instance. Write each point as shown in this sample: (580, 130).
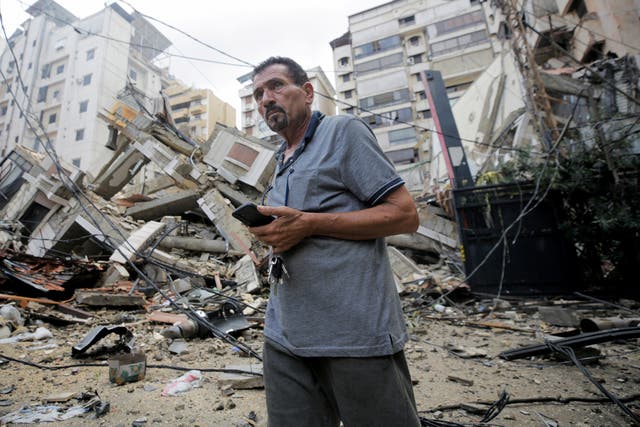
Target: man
(334, 328)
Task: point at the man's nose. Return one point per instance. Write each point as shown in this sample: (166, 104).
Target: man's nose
(267, 98)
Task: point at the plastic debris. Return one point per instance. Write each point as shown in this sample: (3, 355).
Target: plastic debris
(183, 383)
(40, 334)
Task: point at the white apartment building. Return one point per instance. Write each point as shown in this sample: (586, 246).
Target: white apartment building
(253, 124)
(73, 69)
(196, 111)
(379, 61)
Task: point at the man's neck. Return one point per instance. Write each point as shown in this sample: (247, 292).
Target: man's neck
(295, 136)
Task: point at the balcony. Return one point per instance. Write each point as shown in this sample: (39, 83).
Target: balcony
(198, 109)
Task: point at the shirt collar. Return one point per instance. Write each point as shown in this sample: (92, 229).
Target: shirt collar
(316, 118)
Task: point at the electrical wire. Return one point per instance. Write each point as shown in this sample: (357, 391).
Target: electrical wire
(568, 352)
(103, 365)
(80, 196)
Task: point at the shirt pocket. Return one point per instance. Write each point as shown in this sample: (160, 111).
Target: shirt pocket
(303, 189)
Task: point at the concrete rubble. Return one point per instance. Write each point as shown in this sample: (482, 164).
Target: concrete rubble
(149, 244)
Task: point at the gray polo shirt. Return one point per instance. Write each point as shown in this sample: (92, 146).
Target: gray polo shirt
(340, 298)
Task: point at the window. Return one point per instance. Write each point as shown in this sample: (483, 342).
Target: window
(348, 94)
(180, 106)
(418, 77)
(60, 44)
(408, 20)
(422, 95)
(52, 118)
(346, 78)
(415, 59)
(46, 71)
(379, 64)
(79, 134)
(456, 88)
(456, 23)
(377, 46)
(402, 136)
(56, 95)
(349, 111)
(60, 69)
(414, 41)
(133, 74)
(76, 162)
(91, 54)
(30, 65)
(42, 94)
(84, 105)
(344, 61)
(385, 99)
(86, 80)
(390, 118)
(425, 114)
(3, 110)
(459, 43)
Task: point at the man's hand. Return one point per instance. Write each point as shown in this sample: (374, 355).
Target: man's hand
(396, 214)
(286, 231)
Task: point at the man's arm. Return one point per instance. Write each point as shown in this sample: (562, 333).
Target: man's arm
(396, 214)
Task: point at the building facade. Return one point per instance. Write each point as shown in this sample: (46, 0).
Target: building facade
(72, 70)
(379, 62)
(253, 125)
(196, 111)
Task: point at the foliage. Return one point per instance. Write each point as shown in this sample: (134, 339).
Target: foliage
(598, 185)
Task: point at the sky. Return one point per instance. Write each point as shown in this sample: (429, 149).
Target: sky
(248, 30)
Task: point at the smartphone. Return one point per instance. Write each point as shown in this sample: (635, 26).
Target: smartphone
(249, 215)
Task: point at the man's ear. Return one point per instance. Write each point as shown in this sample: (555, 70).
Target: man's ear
(308, 89)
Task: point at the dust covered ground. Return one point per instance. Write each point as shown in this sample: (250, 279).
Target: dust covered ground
(453, 363)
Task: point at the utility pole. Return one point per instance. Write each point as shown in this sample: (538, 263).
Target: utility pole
(537, 98)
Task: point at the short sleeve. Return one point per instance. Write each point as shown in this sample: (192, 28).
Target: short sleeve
(364, 168)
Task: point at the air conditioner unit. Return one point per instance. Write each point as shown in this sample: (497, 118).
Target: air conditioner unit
(410, 60)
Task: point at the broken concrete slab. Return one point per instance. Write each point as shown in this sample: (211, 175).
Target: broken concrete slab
(138, 240)
(241, 381)
(247, 275)
(559, 316)
(218, 210)
(104, 299)
(173, 204)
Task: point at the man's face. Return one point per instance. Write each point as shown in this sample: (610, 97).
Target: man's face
(280, 101)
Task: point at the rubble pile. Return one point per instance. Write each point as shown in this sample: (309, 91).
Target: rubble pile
(142, 271)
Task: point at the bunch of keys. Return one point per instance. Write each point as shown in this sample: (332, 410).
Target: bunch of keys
(276, 270)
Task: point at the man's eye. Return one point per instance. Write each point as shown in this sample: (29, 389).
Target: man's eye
(257, 96)
(277, 85)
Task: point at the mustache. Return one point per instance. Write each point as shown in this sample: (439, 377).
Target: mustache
(271, 108)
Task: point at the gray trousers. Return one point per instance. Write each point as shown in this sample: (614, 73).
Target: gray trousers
(322, 391)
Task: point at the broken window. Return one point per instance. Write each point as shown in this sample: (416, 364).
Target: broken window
(30, 220)
(579, 7)
(11, 171)
(242, 155)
